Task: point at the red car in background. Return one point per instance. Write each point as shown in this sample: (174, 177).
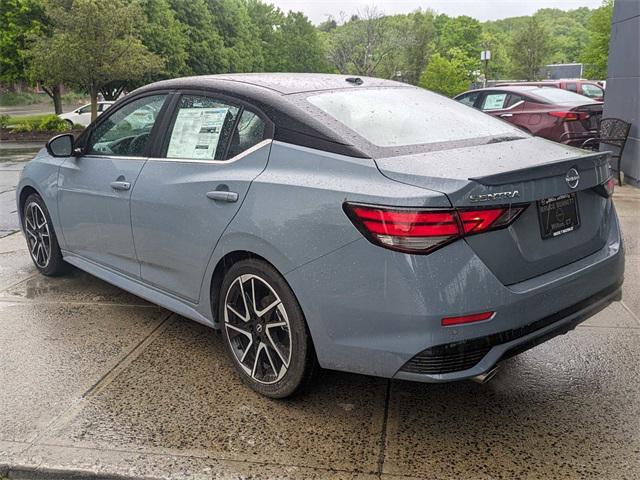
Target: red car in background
(547, 112)
(583, 87)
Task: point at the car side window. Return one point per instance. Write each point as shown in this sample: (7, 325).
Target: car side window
(249, 132)
(469, 98)
(126, 131)
(572, 87)
(85, 109)
(592, 91)
(513, 100)
(201, 128)
(494, 101)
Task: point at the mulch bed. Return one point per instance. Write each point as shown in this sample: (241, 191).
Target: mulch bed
(7, 135)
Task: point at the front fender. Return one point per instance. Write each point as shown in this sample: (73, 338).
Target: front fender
(41, 174)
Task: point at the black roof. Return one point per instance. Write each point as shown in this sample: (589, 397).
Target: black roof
(277, 95)
(283, 83)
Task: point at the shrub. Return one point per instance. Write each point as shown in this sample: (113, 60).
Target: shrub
(4, 121)
(23, 128)
(52, 123)
(10, 99)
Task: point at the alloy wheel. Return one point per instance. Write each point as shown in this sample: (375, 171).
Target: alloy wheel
(258, 328)
(38, 234)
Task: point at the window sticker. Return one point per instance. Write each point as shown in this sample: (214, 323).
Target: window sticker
(494, 101)
(196, 133)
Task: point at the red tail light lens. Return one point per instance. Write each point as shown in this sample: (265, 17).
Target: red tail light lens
(569, 116)
(423, 231)
(476, 317)
(606, 189)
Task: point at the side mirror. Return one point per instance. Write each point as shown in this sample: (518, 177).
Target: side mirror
(61, 145)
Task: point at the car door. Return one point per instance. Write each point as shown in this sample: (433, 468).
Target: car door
(94, 188)
(186, 196)
(504, 105)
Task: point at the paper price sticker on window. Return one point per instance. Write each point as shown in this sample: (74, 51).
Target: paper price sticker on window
(196, 133)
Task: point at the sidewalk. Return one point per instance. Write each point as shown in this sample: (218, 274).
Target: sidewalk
(97, 383)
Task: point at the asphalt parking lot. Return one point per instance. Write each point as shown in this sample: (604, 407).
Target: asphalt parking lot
(99, 383)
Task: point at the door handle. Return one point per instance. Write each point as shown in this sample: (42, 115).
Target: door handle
(223, 196)
(118, 185)
(506, 115)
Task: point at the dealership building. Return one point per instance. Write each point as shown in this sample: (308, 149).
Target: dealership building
(622, 99)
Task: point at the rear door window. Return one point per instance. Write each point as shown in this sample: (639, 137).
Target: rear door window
(207, 128)
(201, 128)
(572, 87)
(494, 101)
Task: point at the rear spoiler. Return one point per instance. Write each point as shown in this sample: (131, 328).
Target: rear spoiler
(597, 160)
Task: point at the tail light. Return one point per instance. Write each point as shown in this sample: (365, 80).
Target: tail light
(570, 116)
(606, 189)
(414, 230)
(476, 317)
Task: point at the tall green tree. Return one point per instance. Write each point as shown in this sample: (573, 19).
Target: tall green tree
(461, 32)
(530, 49)
(162, 33)
(361, 45)
(93, 44)
(449, 76)
(290, 43)
(596, 53)
(20, 20)
(206, 52)
(239, 35)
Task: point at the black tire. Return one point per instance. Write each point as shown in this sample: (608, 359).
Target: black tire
(278, 382)
(55, 265)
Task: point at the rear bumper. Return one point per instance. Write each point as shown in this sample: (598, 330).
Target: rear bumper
(479, 355)
(371, 310)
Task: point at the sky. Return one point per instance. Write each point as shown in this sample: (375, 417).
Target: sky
(319, 10)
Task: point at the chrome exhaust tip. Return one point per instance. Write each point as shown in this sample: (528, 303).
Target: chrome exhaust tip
(486, 376)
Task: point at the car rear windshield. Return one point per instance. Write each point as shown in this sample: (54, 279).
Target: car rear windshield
(557, 95)
(396, 117)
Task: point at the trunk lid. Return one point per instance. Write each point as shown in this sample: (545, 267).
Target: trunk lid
(523, 171)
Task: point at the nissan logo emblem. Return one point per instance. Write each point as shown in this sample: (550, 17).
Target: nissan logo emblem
(572, 178)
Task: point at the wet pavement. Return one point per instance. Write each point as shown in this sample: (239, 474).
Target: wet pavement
(98, 383)
(12, 159)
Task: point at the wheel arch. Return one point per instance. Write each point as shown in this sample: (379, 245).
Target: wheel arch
(22, 198)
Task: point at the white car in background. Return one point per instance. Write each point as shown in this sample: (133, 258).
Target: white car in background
(82, 115)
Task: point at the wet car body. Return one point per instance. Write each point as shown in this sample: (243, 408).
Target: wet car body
(319, 200)
(547, 112)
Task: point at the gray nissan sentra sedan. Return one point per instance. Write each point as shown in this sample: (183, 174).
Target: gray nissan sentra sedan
(357, 224)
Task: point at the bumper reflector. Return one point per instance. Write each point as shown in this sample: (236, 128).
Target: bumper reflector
(476, 317)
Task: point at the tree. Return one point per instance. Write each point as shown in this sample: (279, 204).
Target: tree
(93, 44)
(20, 20)
(596, 53)
(447, 76)
(164, 35)
(206, 52)
(45, 68)
(463, 33)
(360, 45)
(530, 49)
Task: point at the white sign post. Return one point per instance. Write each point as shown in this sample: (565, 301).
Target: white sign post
(485, 56)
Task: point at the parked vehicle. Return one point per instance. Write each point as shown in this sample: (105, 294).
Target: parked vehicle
(551, 113)
(584, 87)
(356, 223)
(82, 115)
